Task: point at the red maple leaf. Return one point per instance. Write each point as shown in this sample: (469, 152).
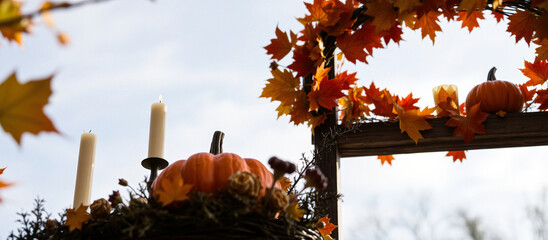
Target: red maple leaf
(408, 103)
(393, 34)
(467, 126)
(521, 25)
(537, 72)
(498, 16)
(457, 155)
(353, 106)
(542, 99)
(384, 16)
(347, 80)
(325, 95)
(281, 45)
(470, 19)
(302, 64)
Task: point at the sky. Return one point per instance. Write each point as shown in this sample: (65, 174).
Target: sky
(206, 59)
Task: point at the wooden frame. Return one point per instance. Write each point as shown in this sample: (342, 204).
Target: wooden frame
(381, 138)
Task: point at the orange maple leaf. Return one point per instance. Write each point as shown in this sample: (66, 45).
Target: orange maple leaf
(386, 158)
(282, 87)
(457, 155)
(467, 126)
(526, 93)
(355, 45)
(21, 107)
(470, 19)
(428, 24)
(521, 25)
(328, 227)
(172, 190)
(384, 16)
(542, 99)
(353, 106)
(77, 217)
(285, 183)
(406, 5)
(537, 72)
(447, 103)
(413, 121)
(315, 121)
(325, 94)
(2, 170)
(384, 104)
(281, 45)
(299, 112)
(347, 80)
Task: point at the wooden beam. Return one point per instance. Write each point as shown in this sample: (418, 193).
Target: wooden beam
(514, 130)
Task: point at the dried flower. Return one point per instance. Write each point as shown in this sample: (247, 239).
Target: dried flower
(244, 184)
(277, 200)
(51, 224)
(100, 208)
(115, 198)
(315, 178)
(138, 201)
(123, 182)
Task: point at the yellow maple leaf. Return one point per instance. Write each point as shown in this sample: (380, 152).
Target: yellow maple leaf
(21, 107)
(413, 121)
(77, 217)
(172, 190)
(10, 9)
(294, 212)
(283, 87)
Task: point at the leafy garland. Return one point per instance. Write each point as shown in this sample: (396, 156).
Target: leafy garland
(309, 90)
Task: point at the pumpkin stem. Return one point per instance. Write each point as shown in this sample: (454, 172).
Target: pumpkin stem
(217, 143)
(491, 74)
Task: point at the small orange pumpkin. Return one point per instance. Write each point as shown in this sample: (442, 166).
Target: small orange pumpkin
(209, 172)
(495, 95)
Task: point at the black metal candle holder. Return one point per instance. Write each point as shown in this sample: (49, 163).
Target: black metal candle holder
(153, 164)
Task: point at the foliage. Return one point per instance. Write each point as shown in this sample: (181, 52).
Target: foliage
(310, 88)
(3, 184)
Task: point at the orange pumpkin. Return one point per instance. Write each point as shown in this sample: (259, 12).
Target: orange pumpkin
(495, 95)
(209, 172)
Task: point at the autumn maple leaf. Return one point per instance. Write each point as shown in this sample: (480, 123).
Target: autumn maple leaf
(537, 72)
(521, 25)
(392, 34)
(467, 126)
(302, 64)
(327, 228)
(172, 190)
(542, 99)
(386, 158)
(408, 103)
(526, 93)
(294, 212)
(10, 9)
(21, 107)
(77, 217)
(470, 19)
(325, 94)
(383, 14)
(353, 106)
(413, 121)
(457, 155)
(285, 183)
(472, 5)
(281, 45)
(282, 87)
(542, 49)
(382, 100)
(355, 45)
(428, 24)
